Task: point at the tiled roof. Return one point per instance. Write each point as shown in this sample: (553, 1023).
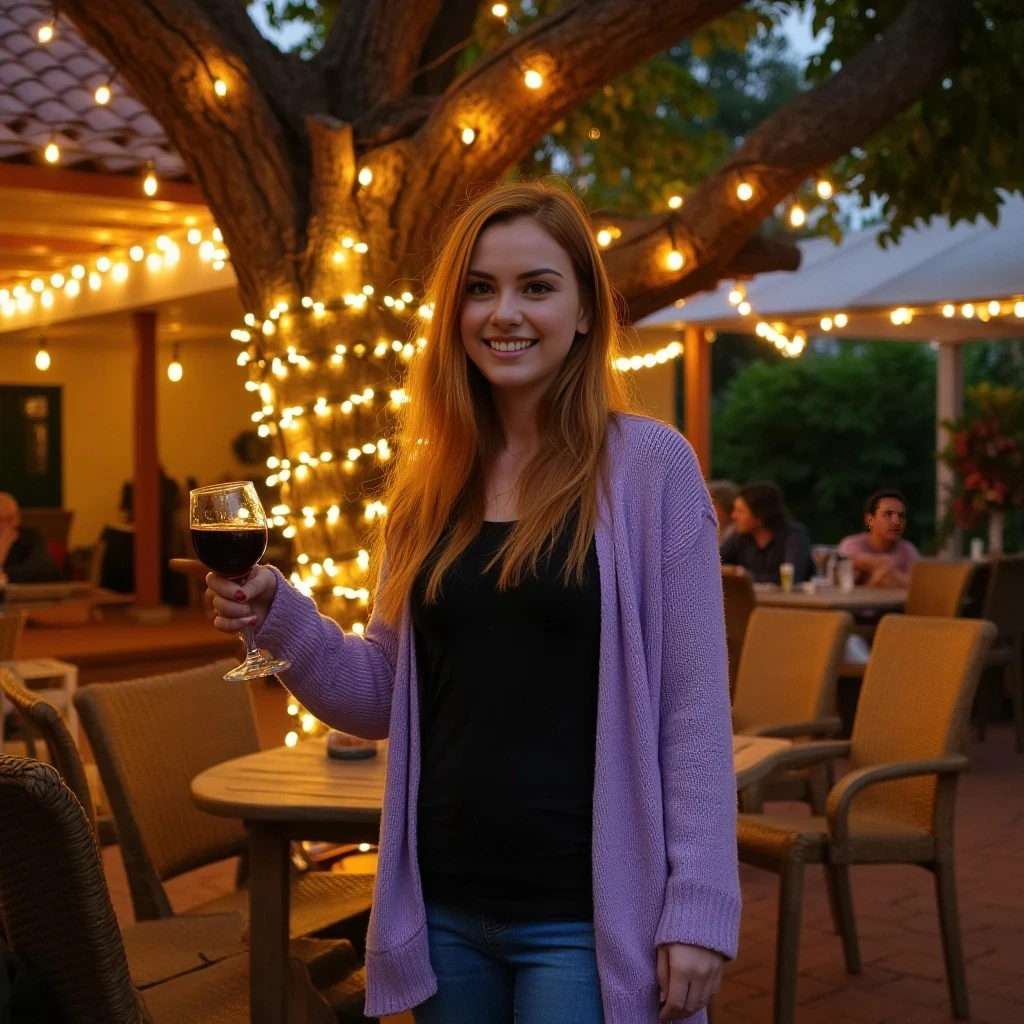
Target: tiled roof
(47, 93)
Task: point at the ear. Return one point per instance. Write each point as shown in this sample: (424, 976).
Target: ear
(583, 321)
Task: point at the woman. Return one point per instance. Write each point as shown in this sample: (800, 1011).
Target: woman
(546, 656)
(765, 537)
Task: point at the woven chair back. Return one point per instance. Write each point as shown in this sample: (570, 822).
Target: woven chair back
(151, 737)
(56, 909)
(740, 602)
(915, 704)
(939, 588)
(788, 668)
(47, 720)
(11, 625)
(1004, 599)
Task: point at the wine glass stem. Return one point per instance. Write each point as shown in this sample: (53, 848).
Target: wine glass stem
(249, 635)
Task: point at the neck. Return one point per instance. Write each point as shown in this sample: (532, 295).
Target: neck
(517, 413)
(763, 536)
(881, 544)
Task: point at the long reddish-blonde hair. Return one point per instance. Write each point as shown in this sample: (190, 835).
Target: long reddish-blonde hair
(449, 432)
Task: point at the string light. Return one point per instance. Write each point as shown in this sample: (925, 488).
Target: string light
(365, 176)
(150, 183)
(604, 238)
(499, 10)
(744, 191)
(102, 94)
(42, 356)
(220, 87)
(994, 308)
(737, 295)
(174, 370)
(468, 136)
(674, 202)
(1018, 309)
(824, 188)
(841, 320)
(52, 152)
(797, 216)
(826, 323)
(744, 309)
(45, 33)
(533, 79)
(967, 310)
(675, 260)
(649, 359)
(948, 310)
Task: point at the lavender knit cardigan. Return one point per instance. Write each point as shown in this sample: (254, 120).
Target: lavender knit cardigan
(664, 847)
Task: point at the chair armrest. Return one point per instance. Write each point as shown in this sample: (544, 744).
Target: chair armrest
(824, 728)
(849, 786)
(806, 755)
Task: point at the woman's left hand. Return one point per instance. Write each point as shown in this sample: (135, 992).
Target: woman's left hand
(688, 977)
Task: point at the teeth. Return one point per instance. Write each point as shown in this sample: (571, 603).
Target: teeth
(509, 346)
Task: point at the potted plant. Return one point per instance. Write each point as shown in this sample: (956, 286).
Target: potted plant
(986, 453)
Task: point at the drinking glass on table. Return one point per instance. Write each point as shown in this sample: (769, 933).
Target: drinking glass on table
(229, 535)
(822, 553)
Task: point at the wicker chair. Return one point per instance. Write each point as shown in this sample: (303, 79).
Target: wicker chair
(1004, 607)
(151, 737)
(11, 625)
(44, 718)
(786, 687)
(59, 921)
(897, 803)
(740, 602)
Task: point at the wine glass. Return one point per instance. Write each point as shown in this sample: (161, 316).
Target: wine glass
(229, 534)
(822, 553)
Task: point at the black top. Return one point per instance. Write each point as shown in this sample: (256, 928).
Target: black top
(791, 543)
(508, 697)
(29, 560)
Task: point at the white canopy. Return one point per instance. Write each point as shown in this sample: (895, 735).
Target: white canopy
(931, 269)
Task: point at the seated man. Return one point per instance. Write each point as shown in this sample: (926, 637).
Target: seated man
(24, 556)
(765, 537)
(881, 557)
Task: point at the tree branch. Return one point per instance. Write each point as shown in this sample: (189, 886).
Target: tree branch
(578, 48)
(372, 50)
(810, 132)
(171, 52)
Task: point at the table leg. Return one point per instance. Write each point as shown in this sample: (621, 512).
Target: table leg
(269, 879)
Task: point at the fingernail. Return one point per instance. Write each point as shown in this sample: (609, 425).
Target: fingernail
(239, 595)
(251, 620)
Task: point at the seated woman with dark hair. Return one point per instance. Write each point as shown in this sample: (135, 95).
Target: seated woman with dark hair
(765, 537)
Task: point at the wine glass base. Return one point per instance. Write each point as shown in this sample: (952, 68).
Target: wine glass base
(257, 668)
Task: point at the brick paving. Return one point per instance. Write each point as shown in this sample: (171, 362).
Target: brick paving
(903, 979)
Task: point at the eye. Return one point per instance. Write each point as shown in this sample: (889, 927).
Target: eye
(543, 286)
(471, 288)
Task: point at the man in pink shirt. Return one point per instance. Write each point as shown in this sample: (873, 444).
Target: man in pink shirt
(881, 557)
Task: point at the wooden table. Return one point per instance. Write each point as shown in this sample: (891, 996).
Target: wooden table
(860, 599)
(299, 793)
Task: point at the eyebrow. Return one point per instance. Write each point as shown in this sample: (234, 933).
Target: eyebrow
(540, 271)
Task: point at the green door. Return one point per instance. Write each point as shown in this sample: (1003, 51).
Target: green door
(30, 445)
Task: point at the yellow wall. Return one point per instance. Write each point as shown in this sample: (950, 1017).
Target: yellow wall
(654, 388)
(198, 417)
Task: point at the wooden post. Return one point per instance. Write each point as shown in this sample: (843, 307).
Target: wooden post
(146, 505)
(697, 354)
(949, 405)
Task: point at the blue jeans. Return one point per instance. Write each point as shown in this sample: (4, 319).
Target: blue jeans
(494, 971)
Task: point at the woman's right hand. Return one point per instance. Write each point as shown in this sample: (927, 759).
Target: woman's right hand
(233, 605)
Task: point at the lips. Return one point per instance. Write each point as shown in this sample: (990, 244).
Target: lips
(509, 345)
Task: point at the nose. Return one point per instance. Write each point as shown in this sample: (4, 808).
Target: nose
(506, 310)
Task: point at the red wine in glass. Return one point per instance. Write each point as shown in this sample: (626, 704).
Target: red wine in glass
(229, 533)
(229, 550)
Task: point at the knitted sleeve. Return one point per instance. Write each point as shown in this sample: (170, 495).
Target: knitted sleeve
(702, 900)
(344, 679)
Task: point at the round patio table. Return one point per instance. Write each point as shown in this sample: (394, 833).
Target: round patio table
(290, 793)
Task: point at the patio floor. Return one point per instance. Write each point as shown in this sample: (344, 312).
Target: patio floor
(903, 979)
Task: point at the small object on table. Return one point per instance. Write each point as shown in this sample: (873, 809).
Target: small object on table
(977, 549)
(786, 575)
(810, 586)
(847, 575)
(346, 747)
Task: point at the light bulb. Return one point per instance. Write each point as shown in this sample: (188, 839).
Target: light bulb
(365, 176)
(174, 370)
(604, 237)
(736, 295)
(675, 260)
(103, 264)
(826, 323)
(468, 136)
(45, 33)
(744, 191)
(102, 95)
(150, 184)
(46, 300)
(533, 79)
(95, 281)
(57, 280)
(674, 202)
(841, 319)
(744, 309)
(136, 252)
(78, 271)
(797, 217)
(72, 288)
(1018, 309)
(38, 284)
(967, 310)
(499, 10)
(948, 310)
(824, 188)
(994, 308)
(52, 153)
(220, 87)
(42, 357)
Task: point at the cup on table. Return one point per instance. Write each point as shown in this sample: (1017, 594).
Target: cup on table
(977, 549)
(786, 577)
(846, 574)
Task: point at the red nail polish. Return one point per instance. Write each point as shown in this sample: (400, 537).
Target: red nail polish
(239, 595)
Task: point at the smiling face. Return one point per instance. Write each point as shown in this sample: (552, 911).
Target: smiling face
(522, 307)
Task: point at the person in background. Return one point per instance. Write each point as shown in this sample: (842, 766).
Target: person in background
(723, 495)
(765, 537)
(24, 556)
(880, 555)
